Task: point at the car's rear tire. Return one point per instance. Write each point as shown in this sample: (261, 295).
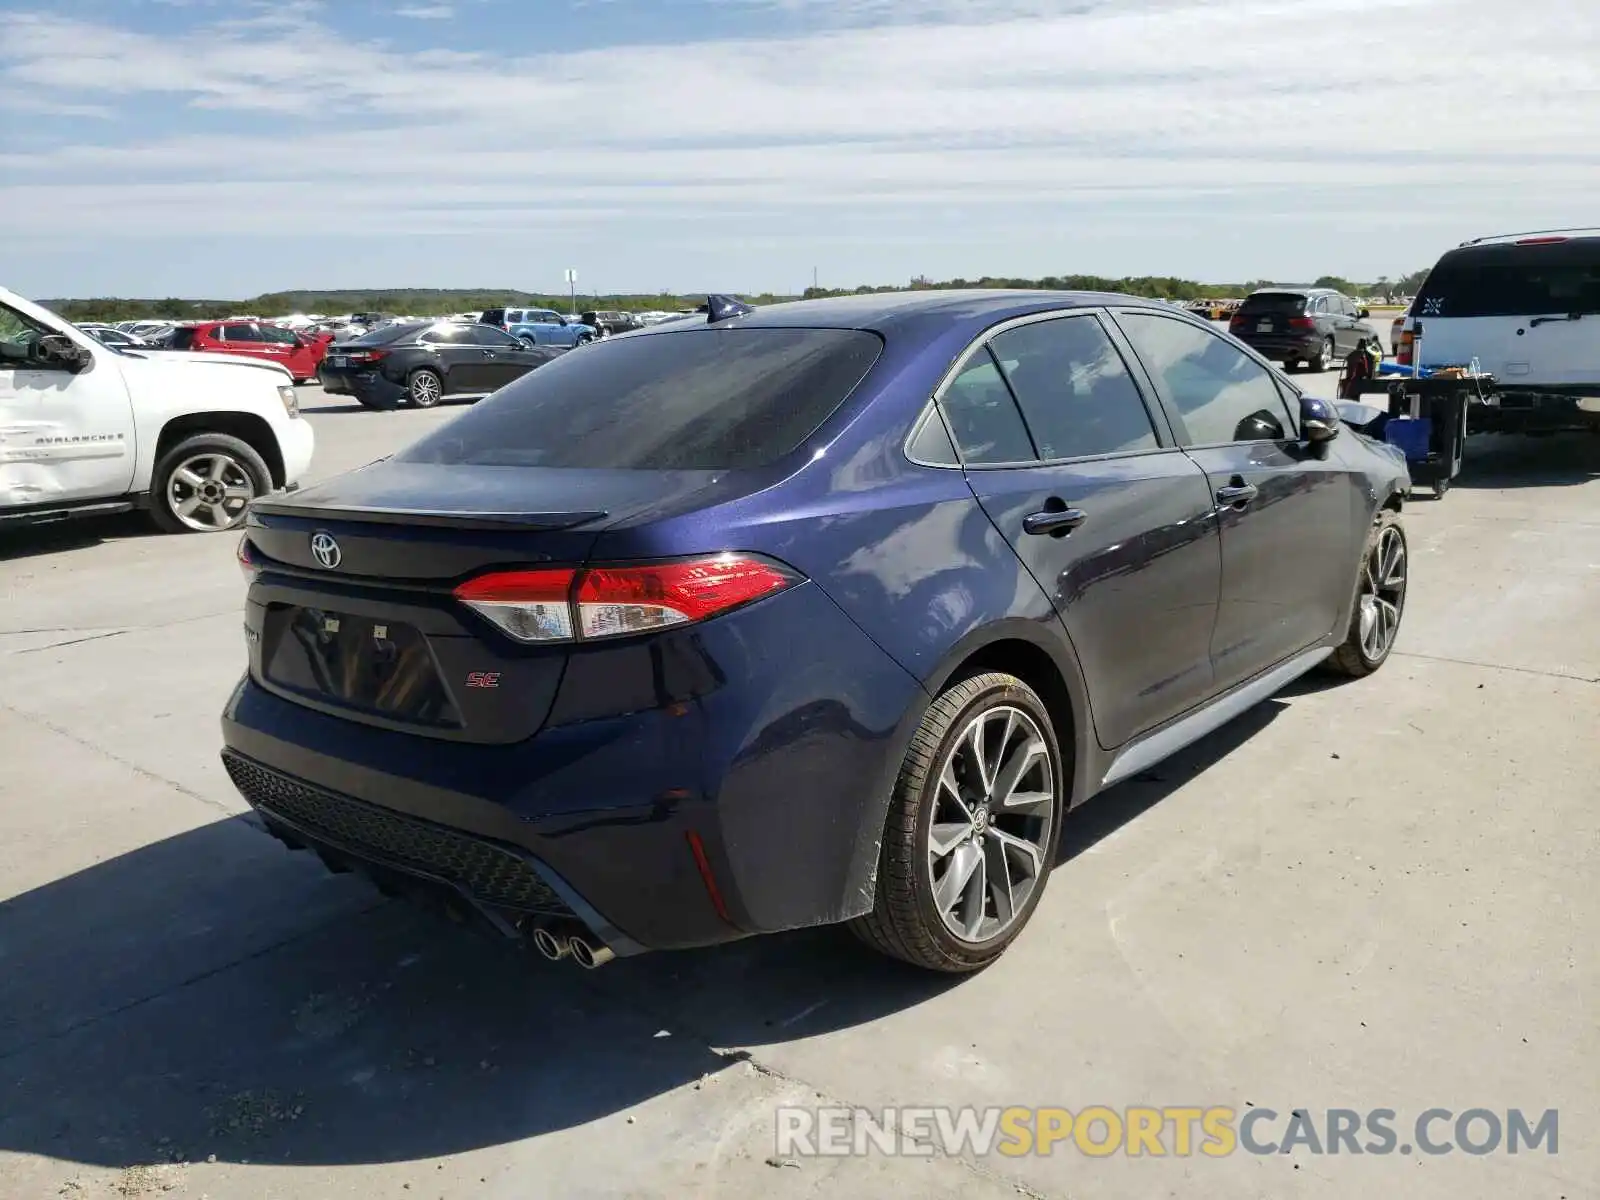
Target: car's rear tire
(205, 483)
(967, 806)
(1380, 601)
(1324, 360)
(424, 388)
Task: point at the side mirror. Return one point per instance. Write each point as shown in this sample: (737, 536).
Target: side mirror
(1319, 420)
(1364, 313)
(58, 350)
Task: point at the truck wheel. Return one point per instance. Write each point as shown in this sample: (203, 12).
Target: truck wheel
(971, 833)
(203, 484)
(1380, 602)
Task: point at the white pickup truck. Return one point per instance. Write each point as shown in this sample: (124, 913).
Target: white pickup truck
(88, 429)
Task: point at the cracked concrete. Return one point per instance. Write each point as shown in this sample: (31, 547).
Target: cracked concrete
(1378, 894)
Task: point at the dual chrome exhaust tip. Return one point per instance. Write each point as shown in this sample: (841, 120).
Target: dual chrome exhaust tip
(556, 944)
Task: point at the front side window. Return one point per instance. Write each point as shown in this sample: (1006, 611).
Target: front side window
(1074, 389)
(982, 415)
(18, 334)
(1220, 394)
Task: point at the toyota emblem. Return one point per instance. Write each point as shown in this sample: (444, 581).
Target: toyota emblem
(325, 550)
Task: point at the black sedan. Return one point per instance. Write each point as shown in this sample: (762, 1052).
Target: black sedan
(424, 362)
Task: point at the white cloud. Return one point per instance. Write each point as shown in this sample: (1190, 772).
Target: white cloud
(426, 12)
(995, 109)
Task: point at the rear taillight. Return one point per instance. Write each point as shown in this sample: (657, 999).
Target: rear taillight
(367, 355)
(562, 605)
(1302, 323)
(1402, 351)
(249, 560)
(1540, 241)
(1235, 321)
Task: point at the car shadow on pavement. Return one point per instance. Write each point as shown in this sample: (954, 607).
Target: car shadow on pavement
(79, 533)
(1101, 816)
(1517, 461)
(212, 994)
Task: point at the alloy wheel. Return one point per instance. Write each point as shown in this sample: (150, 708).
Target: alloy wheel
(209, 491)
(425, 389)
(992, 823)
(1383, 594)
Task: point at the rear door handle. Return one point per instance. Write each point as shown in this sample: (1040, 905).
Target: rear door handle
(1237, 494)
(1061, 521)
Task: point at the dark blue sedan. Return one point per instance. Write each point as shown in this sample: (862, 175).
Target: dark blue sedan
(822, 612)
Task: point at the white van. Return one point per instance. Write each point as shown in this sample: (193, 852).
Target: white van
(1527, 307)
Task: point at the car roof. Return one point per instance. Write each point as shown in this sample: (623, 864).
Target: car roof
(883, 312)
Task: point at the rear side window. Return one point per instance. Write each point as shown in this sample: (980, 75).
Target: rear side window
(1277, 303)
(181, 338)
(700, 399)
(238, 333)
(983, 417)
(1074, 389)
(1514, 281)
(387, 335)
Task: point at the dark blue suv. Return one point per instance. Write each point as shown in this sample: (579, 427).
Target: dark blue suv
(822, 612)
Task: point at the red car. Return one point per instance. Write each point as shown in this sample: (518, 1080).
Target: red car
(300, 354)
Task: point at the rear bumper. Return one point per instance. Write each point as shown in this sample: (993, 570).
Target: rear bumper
(370, 387)
(1534, 412)
(778, 775)
(1279, 347)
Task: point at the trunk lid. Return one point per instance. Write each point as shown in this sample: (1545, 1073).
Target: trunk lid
(352, 611)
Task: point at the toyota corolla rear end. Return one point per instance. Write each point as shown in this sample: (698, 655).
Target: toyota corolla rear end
(552, 665)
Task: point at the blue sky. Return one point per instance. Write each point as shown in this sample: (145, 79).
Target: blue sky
(228, 147)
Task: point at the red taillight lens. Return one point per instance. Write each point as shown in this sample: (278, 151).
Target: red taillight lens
(1402, 352)
(249, 560)
(558, 605)
(1540, 241)
(532, 606)
(367, 355)
(1302, 323)
(1235, 321)
(618, 600)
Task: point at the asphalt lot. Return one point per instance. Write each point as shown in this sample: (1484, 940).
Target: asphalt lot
(1378, 894)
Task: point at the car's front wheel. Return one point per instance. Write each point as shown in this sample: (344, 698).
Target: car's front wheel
(204, 483)
(1380, 601)
(971, 833)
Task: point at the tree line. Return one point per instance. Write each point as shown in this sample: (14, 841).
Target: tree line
(434, 302)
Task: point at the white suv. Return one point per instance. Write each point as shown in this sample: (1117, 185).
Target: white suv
(1527, 307)
(87, 428)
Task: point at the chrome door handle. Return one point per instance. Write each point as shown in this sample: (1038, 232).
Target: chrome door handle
(1237, 494)
(1060, 521)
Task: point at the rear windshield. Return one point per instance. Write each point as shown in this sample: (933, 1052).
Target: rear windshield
(1292, 303)
(1514, 281)
(181, 338)
(699, 399)
(386, 335)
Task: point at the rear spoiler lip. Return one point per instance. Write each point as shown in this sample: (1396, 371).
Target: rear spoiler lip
(439, 518)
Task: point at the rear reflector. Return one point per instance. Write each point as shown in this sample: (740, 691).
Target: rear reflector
(557, 605)
(249, 559)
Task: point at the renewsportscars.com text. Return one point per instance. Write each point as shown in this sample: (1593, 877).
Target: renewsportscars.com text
(1151, 1131)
